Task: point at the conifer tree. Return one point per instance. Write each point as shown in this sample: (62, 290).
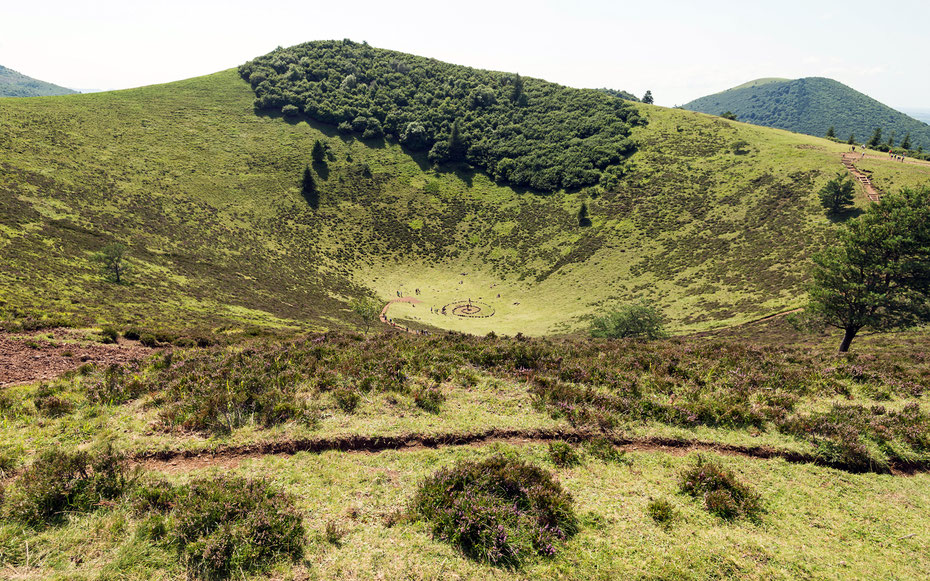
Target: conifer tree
(837, 195)
(517, 95)
(852, 139)
(647, 98)
(831, 132)
(319, 152)
(457, 145)
(583, 219)
(906, 142)
(308, 188)
(876, 138)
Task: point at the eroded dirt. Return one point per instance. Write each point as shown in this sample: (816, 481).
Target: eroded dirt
(28, 357)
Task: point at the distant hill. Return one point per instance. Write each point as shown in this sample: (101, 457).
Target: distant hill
(812, 105)
(13, 84)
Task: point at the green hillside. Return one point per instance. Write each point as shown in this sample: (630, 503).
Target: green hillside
(205, 193)
(13, 84)
(812, 105)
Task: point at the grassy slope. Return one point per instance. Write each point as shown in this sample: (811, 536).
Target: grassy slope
(205, 193)
(812, 105)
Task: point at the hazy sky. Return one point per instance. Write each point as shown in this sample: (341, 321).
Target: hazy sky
(680, 50)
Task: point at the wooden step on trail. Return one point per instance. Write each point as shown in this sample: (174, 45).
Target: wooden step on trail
(862, 177)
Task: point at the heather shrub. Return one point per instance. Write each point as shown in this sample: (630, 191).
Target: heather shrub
(58, 482)
(428, 398)
(113, 387)
(232, 526)
(108, 335)
(563, 455)
(722, 493)
(347, 398)
(500, 510)
(52, 406)
(661, 511)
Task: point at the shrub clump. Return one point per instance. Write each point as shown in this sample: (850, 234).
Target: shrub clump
(637, 321)
(661, 511)
(60, 481)
(429, 398)
(562, 454)
(500, 510)
(229, 525)
(722, 493)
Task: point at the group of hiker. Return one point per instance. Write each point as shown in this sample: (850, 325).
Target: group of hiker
(891, 153)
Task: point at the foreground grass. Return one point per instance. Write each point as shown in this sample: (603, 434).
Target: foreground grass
(816, 523)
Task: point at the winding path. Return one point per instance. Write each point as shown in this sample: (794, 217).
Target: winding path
(384, 318)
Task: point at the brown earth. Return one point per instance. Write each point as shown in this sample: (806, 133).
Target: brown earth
(28, 357)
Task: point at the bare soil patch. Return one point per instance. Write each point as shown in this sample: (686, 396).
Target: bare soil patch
(28, 357)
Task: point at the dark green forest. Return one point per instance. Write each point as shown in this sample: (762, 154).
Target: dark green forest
(13, 84)
(812, 105)
(520, 130)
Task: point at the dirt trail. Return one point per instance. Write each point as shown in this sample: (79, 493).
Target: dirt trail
(862, 177)
(885, 158)
(231, 456)
(384, 318)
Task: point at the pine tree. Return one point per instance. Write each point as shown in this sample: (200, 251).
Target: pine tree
(837, 195)
(583, 219)
(877, 273)
(457, 145)
(890, 143)
(876, 138)
(308, 188)
(906, 142)
(647, 98)
(517, 95)
(852, 139)
(319, 152)
(831, 133)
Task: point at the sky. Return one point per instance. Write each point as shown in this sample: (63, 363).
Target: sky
(680, 50)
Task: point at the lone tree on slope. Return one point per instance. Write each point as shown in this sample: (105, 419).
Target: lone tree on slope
(837, 195)
(308, 188)
(583, 219)
(877, 274)
(367, 310)
(831, 133)
(113, 262)
(318, 153)
(647, 98)
(876, 138)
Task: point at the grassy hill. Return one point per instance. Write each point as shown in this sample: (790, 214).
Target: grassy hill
(205, 193)
(13, 84)
(812, 105)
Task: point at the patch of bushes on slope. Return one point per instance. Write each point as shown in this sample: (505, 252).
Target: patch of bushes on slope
(60, 482)
(231, 525)
(600, 384)
(219, 527)
(500, 510)
(719, 489)
(524, 131)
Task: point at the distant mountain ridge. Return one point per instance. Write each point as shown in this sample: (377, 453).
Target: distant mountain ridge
(14, 84)
(812, 105)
